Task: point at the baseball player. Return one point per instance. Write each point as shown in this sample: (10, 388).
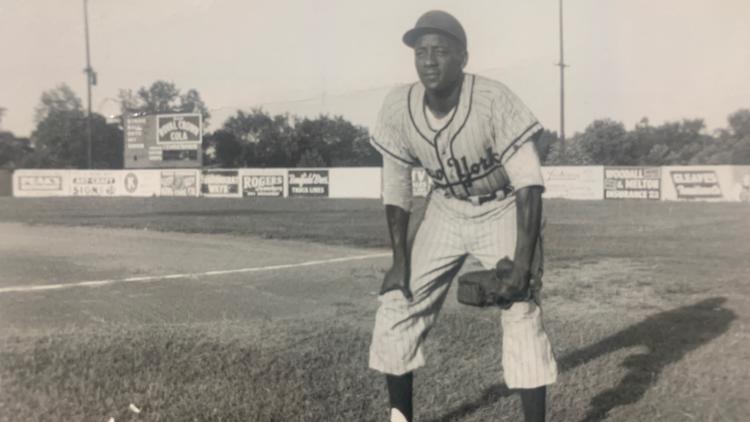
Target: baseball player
(474, 138)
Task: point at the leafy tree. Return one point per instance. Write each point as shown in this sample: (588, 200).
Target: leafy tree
(13, 151)
(605, 142)
(337, 141)
(731, 145)
(684, 140)
(162, 97)
(62, 99)
(363, 153)
(544, 144)
(61, 139)
(228, 148)
(107, 147)
(311, 158)
(739, 123)
(574, 154)
(266, 140)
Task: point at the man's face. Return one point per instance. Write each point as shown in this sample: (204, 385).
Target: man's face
(439, 60)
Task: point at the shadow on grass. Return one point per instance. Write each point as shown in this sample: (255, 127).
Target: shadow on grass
(668, 336)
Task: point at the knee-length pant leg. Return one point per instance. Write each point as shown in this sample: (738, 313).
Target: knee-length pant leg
(401, 326)
(528, 360)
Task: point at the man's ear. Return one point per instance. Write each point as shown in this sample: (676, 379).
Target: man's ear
(465, 60)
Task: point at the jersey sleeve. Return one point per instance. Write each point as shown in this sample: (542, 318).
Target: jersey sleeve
(513, 123)
(389, 136)
(397, 184)
(523, 167)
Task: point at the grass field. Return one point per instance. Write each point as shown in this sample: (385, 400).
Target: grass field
(647, 305)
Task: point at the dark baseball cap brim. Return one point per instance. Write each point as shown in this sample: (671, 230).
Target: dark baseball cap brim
(411, 36)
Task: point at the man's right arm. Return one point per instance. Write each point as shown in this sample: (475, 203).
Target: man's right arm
(397, 197)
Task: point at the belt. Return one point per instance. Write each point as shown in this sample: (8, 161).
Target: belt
(481, 199)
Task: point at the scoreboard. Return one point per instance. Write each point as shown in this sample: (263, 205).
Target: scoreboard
(163, 141)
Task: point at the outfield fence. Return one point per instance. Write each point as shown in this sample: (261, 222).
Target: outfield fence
(668, 183)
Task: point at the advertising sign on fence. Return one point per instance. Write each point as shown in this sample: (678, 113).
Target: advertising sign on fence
(696, 184)
(179, 183)
(632, 183)
(702, 183)
(308, 182)
(574, 182)
(421, 182)
(114, 183)
(742, 183)
(93, 184)
(220, 183)
(40, 183)
(263, 184)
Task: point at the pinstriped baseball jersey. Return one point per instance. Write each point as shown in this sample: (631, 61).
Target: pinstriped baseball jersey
(483, 148)
(466, 157)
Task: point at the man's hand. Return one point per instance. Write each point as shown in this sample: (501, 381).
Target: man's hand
(520, 282)
(493, 287)
(397, 278)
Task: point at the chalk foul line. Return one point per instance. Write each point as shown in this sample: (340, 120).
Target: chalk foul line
(154, 278)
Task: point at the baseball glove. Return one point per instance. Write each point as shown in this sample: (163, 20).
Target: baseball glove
(491, 287)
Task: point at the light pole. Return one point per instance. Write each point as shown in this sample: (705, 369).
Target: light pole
(562, 85)
(90, 80)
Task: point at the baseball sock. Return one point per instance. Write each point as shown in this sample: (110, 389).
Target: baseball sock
(534, 404)
(400, 393)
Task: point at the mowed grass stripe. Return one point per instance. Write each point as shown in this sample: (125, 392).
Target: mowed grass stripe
(155, 278)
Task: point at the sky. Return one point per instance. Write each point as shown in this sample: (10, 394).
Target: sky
(662, 59)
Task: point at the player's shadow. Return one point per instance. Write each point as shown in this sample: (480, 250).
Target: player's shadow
(668, 336)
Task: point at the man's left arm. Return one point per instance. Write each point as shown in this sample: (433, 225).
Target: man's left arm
(528, 225)
(524, 171)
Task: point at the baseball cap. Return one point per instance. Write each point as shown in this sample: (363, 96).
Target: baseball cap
(436, 21)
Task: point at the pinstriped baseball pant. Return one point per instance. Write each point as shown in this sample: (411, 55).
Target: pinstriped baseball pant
(452, 229)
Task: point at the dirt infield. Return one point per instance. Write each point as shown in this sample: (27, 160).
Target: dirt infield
(646, 303)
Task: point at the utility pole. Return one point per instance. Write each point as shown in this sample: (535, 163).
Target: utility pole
(562, 85)
(90, 80)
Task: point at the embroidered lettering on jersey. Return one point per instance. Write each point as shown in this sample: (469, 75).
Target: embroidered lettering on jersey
(466, 156)
(466, 170)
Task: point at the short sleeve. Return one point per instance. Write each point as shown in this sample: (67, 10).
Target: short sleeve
(389, 136)
(397, 184)
(513, 123)
(523, 167)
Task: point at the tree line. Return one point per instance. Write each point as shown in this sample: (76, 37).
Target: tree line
(255, 138)
(686, 142)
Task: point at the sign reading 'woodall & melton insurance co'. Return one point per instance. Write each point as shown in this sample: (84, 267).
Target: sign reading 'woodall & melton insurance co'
(632, 183)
